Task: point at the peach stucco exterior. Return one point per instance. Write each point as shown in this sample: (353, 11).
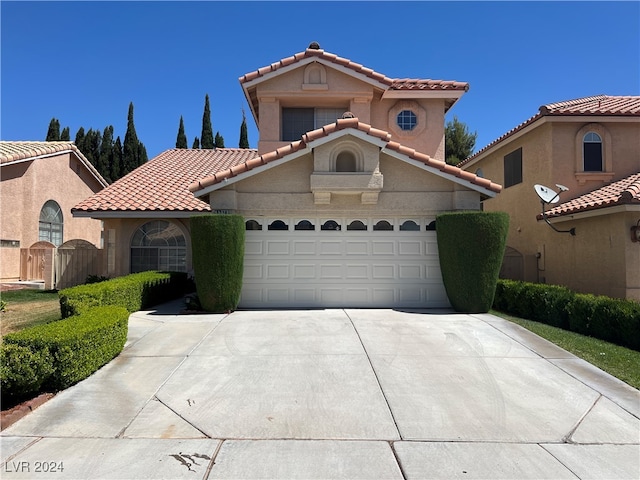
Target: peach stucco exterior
(600, 258)
(26, 185)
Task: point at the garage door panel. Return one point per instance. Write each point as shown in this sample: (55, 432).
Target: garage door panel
(280, 247)
(331, 269)
(278, 271)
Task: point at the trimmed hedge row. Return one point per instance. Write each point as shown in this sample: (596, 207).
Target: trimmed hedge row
(133, 292)
(57, 355)
(613, 320)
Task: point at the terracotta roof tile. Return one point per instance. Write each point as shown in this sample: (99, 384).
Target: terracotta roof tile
(162, 183)
(599, 105)
(622, 192)
(23, 151)
(325, 131)
(391, 83)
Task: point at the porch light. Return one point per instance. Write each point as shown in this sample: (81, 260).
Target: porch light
(549, 196)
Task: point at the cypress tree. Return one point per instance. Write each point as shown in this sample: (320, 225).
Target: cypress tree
(106, 154)
(206, 139)
(53, 134)
(131, 146)
(91, 147)
(80, 139)
(116, 165)
(65, 136)
(196, 143)
(181, 141)
(219, 140)
(244, 135)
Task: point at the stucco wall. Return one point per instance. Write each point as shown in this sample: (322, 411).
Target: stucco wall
(26, 187)
(118, 235)
(285, 190)
(587, 262)
(600, 259)
(350, 94)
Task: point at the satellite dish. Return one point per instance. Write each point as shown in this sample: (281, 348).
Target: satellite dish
(546, 194)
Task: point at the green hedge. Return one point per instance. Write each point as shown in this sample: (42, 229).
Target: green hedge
(133, 292)
(218, 260)
(471, 247)
(57, 355)
(613, 320)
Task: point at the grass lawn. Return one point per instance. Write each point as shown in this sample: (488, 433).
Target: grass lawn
(26, 308)
(621, 362)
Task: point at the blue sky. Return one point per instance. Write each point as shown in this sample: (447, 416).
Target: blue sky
(83, 62)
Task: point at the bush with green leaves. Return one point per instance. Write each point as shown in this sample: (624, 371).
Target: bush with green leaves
(471, 247)
(610, 319)
(23, 370)
(133, 292)
(217, 243)
(73, 348)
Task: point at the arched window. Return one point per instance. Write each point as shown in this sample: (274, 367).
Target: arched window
(431, 226)
(278, 225)
(410, 226)
(50, 227)
(330, 225)
(158, 245)
(252, 225)
(305, 225)
(592, 152)
(382, 225)
(356, 225)
(345, 162)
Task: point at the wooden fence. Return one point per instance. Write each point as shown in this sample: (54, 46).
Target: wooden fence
(62, 267)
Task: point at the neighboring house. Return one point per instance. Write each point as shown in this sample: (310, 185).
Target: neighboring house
(339, 199)
(40, 182)
(592, 146)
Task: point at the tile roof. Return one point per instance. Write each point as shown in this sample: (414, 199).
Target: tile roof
(386, 83)
(341, 124)
(599, 105)
(622, 192)
(391, 83)
(12, 152)
(162, 183)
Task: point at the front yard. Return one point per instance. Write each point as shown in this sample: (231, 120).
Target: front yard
(27, 308)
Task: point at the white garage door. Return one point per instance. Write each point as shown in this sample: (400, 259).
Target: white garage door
(342, 268)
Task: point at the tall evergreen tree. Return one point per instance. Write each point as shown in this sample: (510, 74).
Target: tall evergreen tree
(206, 139)
(181, 140)
(91, 147)
(219, 140)
(79, 141)
(133, 151)
(53, 134)
(116, 166)
(106, 154)
(459, 142)
(196, 143)
(65, 136)
(244, 135)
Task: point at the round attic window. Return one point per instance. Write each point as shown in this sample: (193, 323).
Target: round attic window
(407, 120)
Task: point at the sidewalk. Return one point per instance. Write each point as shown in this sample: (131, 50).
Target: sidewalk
(332, 394)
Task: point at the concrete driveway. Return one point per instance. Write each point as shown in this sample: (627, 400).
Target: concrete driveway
(371, 394)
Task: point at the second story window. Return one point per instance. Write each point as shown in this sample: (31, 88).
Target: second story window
(513, 168)
(407, 120)
(592, 152)
(298, 121)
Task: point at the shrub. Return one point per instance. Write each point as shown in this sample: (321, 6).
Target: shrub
(74, 347)
(218, 259)
(133, 292)
(609, 319)
(471, 246)
(22, 370)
